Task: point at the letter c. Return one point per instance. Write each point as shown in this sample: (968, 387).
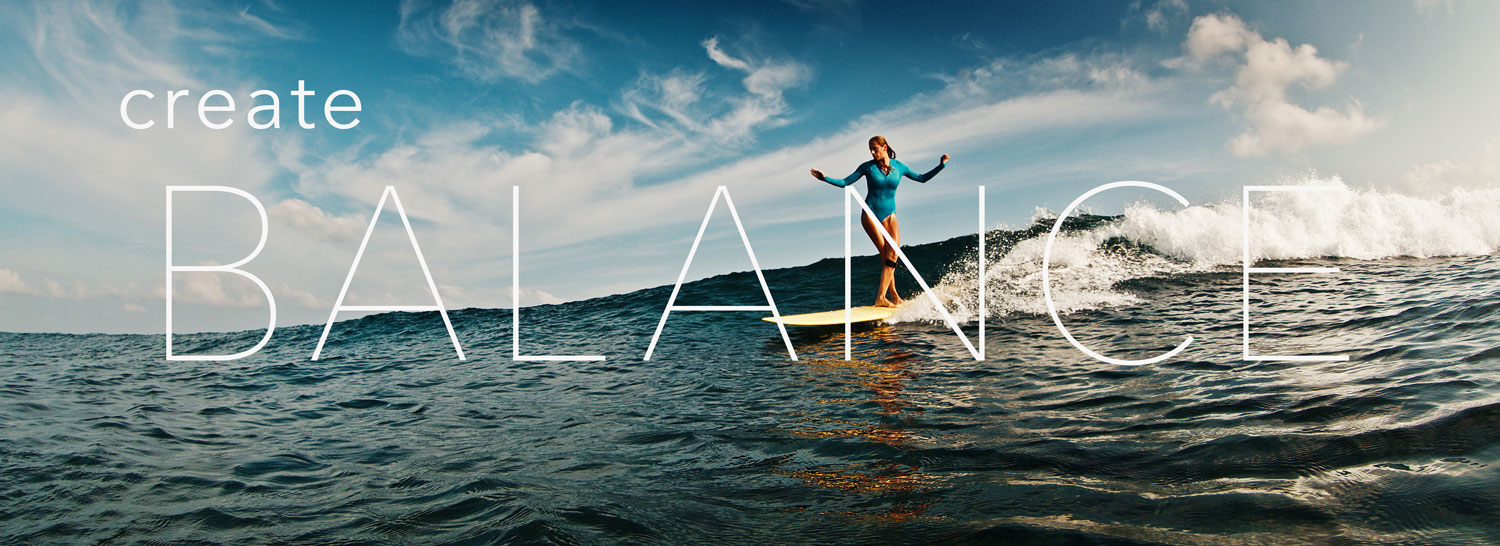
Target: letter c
(124, 115)
(1047, 284)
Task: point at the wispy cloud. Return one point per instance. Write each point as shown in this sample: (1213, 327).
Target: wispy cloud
(309, 220)
(845, 12)
(209, 289)
(64, 141)
(679, 101)
(91, 50)
(286, 31)
(1481, 170)
(76, 289)
(1160, 14)
(85, 48)
(56, 290)
(69, 159)
(1433, 9)
(488, 40)
(194, 288)
(1265, 70)
(12, 283)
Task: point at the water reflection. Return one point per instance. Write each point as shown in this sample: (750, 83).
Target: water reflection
(862, 398)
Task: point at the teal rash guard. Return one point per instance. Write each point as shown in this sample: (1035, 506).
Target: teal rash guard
(881, 196)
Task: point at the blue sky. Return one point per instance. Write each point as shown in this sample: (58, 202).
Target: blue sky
(619, 119)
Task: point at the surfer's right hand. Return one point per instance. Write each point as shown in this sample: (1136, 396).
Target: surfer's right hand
(817, 174)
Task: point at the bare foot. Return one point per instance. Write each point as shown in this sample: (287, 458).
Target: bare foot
(898, 301)
(882, 302)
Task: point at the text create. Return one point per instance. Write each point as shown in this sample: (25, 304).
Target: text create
(225, 103)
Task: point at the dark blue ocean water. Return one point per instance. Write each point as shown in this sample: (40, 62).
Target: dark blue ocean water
(720, 438)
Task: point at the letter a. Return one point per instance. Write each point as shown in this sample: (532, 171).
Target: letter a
(231, 268)
(753, 263)
(390, 192)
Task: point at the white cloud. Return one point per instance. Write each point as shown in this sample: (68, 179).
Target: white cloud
(531, 297)
(691, 111)
(285, 32)
(209, 289)
(1000, 79)
(1213, 35)
(723, 59)
(56, 290)
(94, 51)
(487, 39)
(302, 298)
(69, 158)
(11, 282)
(189, 288)
(1278, 125)
(1161, 13)
(85, 48)
(103, 171)
(1481, 170)
(306, 219)
(229, 290)
(1265, 71)
(1432, 9)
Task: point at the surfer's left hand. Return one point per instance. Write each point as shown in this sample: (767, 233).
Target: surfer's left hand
(944, 160)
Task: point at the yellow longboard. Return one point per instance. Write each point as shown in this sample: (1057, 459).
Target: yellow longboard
(835, 317)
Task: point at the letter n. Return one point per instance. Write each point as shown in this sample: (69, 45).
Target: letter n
(852, 196)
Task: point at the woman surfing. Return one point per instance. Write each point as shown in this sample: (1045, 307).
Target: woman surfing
(884, 174)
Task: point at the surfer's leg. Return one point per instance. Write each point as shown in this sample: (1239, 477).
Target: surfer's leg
(890, 257)
(887, 273)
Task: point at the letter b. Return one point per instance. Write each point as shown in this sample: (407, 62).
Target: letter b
(231, 268)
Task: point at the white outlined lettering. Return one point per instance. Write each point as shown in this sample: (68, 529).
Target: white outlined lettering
(302, 93)
(274, 107)
(231, 268)
(203, 108)
(329, 109)
(390, 193)
(515, 289)
(753, 263)
(124, 109)
(1047, 281)
(850, 194)
(1245, 355)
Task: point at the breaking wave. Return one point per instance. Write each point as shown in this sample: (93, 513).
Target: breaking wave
(1336, 221)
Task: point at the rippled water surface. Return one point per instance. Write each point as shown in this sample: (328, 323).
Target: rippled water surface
(721, 438)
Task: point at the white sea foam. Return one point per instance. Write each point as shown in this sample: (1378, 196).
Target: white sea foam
(1357, 223)
(1348, 222)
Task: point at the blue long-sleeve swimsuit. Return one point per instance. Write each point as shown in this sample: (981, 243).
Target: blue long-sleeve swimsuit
(881, 196)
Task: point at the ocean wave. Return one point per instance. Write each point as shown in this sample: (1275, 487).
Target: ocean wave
(1343, 222)
(1346, 222)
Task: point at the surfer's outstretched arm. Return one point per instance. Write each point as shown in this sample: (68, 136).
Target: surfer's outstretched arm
(924, 177)
(840, 182)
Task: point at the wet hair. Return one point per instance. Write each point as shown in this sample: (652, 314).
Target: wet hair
(877, 139)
